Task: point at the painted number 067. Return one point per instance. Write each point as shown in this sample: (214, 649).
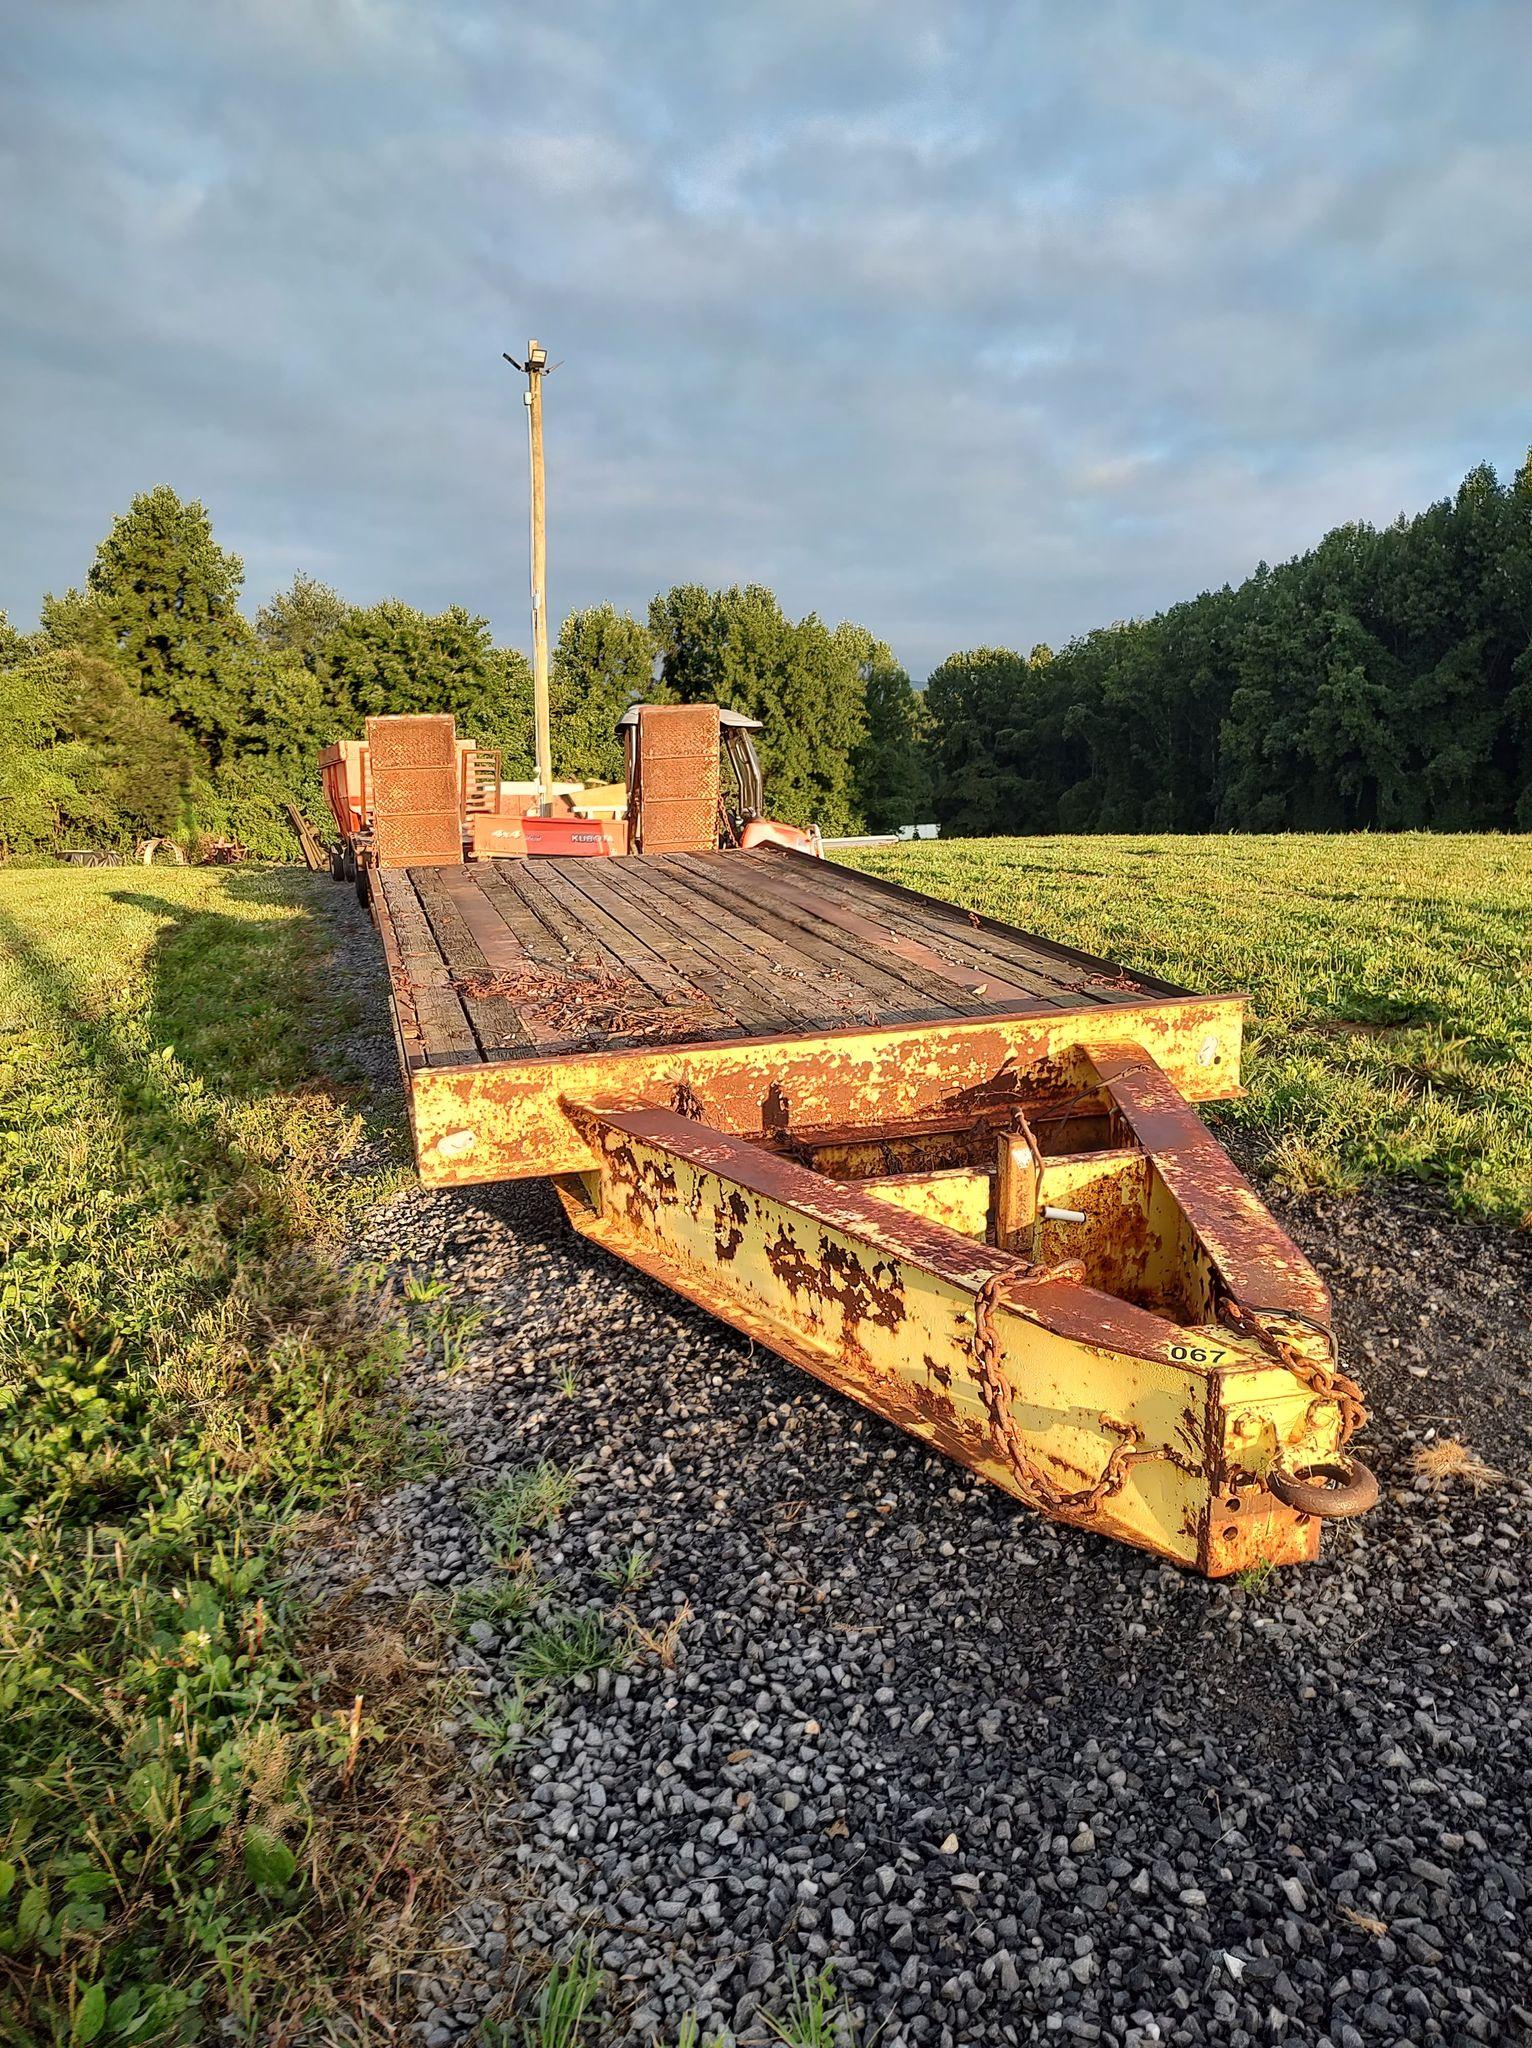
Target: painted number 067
(1197, 1354)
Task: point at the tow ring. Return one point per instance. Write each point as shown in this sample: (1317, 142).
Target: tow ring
(1331, 1488)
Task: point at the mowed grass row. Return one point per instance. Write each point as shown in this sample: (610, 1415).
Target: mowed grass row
(184, 1811)
(1390, 1025)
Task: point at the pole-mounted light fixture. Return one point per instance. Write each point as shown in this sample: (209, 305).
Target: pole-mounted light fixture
(535, 368)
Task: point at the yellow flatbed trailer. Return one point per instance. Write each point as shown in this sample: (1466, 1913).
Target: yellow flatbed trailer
(946, 1166)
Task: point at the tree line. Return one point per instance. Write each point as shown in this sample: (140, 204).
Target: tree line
(1382, 680)
(147, 704)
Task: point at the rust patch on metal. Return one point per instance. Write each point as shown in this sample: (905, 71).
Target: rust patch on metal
(685, 1101)
(839, 1279)
(729, 1218)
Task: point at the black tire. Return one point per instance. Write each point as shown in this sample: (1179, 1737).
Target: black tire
(361, 887)
(337, 865)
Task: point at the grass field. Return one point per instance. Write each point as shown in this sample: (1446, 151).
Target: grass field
(180, 1832)
(1390, 1027)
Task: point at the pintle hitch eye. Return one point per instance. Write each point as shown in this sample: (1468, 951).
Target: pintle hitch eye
(1331, 1488)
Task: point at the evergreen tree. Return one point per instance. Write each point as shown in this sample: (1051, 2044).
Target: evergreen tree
(302, 619)
(163, 597)
(891, 765)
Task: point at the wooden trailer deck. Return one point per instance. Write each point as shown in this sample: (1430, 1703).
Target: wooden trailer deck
(774, 990)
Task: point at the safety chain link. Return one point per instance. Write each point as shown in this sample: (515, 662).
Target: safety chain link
(1039, 1489)
(1326, 1382)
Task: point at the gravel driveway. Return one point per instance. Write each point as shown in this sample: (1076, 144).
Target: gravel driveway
(1018, 1782)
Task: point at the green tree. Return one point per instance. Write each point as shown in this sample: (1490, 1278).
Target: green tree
(972, 700)
(302, 620)
(84, 755)
(890, 763)
(39, 789)
(14, 646)
(1383, 679)
(390, 657)
(76, 620)
(167, 596)
(738, 648)
(682, 624)
(603, 662)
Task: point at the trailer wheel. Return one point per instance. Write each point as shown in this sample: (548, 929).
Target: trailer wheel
(347, 861)
(337, 865)
(361, 887)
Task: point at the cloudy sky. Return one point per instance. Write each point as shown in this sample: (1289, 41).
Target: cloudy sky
(974, 322)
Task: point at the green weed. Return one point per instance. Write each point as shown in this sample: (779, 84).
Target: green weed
(504, 1726)
(630, 1574)
(424, 1453)
(558, 2018)
(552, 1652)
(690, 2035)
(523, 1501)
(817, 2016)
(449, 1332)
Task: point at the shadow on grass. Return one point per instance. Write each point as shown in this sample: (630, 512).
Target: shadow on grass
(252, 1003)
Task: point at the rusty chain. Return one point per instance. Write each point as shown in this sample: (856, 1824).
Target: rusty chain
(1038, 1488)
(1324, 1382)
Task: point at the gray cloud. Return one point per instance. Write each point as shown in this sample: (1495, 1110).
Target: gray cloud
(988, 324)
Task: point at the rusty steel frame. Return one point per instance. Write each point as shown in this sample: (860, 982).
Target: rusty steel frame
(1011, 1235)
(509, 1119)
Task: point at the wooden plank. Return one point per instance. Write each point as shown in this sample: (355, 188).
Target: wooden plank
(756, 1000)
(946, 933)
(409, 1039)
(635, 914)
(578, 942)
(503, 951)
(792, 981)
(523, 923)
(946, 930)
(810, 910)
(447, 1034)
(941, 977)
(863, 984)
(314, 857)
(1067, 963)
(647, 964)
(497, 1023)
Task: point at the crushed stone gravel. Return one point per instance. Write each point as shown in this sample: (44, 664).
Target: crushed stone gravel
(1018, 1783)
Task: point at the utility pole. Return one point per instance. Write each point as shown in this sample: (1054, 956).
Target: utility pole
(536, 368)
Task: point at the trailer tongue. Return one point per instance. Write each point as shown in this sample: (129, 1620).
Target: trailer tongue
(949, 1168)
